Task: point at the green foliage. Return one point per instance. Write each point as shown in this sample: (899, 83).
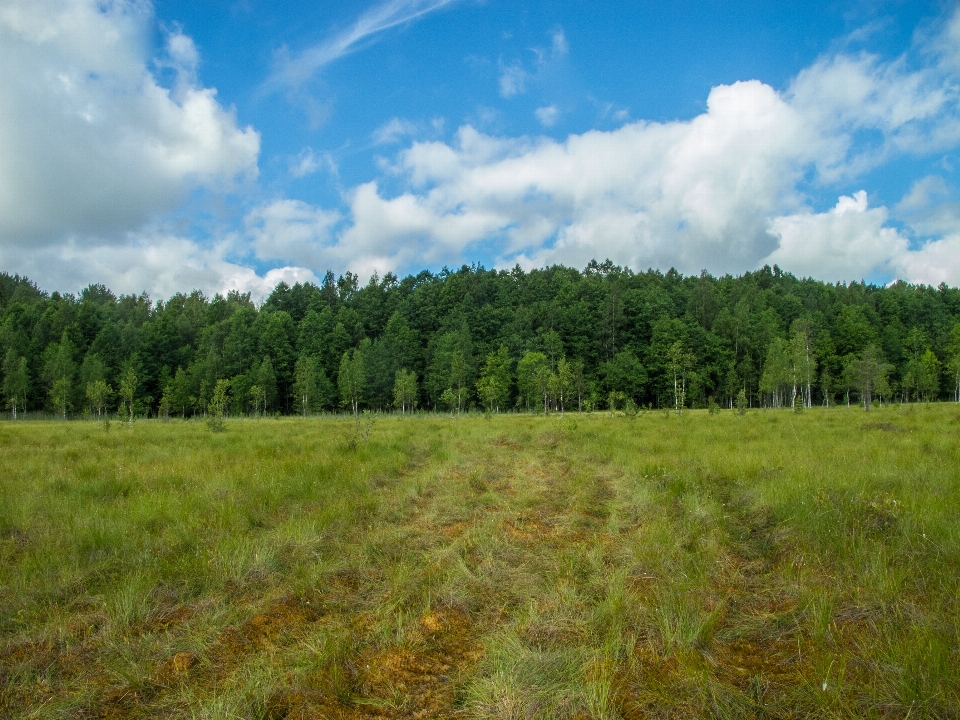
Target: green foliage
(493, 387)
(59, 372)
(351, 379)
(16, 381)
(680, 361)
(768, 333)
(625, 374)
(614, 399)
(305, 383)
(533, 380)
(266, 379)
(405, 391)
(128, 391)
(217, 408)
(98, 393)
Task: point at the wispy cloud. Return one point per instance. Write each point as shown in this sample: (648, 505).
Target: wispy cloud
(514, 76)
(294, 71)
(547, 115)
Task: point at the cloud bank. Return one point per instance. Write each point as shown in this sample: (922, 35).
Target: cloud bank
(96, 151)
(721, 190)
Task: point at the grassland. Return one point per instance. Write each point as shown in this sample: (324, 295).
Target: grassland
(776, 565)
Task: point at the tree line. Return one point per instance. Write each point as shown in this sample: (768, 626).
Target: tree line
(550, 339)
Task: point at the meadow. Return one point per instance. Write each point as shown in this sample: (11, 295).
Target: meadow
(775, 565)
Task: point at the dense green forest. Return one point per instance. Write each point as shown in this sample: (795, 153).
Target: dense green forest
(552, 338)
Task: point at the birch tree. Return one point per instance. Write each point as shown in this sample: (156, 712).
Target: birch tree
(267, 380)
(98, 393)
(305, 382)
(258, 397)
(679, 362)
(405, 390)
(16, 381)
(871, 373)
(777, 372)
(928, 376)
(218, 405)
(59, 371)
(351, 379)
(579, 382)
(458, 378)
(563, 381)
(953, 360)
(804, 366)
(533, 378)
(180, 392)
(128, 389)
(493, 387)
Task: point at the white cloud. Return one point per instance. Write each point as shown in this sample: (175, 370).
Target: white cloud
(685, 193)
(548, 115)
(90, 142)
(159, 263)
(291, 231)
(931, 207)
(559, 43)
(849, 97)
(393, 131)
(937, 261)
(294, 72)
(717, 191)
(514, 76)
(848, 242)
(308, 162)
(513, 80)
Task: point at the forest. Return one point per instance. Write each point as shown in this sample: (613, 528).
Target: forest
(550, 339)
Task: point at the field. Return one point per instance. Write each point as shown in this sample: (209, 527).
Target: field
(776, 565)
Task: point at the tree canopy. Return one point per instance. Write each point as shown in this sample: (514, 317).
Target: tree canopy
(549, 338)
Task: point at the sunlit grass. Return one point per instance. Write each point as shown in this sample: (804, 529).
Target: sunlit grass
(773, 565)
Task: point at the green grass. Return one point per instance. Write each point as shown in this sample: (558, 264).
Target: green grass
(771, 566)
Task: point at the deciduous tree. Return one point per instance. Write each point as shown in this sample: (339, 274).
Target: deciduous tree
(493, 387)
(351, 379)
(305, 382)
(98, 392)
(16, 381)
(128, 390)
(59, 371)
(405, 391)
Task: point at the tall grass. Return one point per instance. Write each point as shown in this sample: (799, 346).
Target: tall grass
(772, 565)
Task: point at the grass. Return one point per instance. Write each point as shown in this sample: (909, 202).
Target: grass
(776, 565)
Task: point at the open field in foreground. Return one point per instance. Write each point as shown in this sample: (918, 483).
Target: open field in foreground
(775, 565)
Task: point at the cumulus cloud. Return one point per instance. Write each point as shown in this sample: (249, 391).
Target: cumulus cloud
(91, 144)
(721, 190)
(689, 193)
(153, 261)
(849, 242)
(291, 231)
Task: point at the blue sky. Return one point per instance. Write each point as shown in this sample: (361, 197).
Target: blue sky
(229, 145)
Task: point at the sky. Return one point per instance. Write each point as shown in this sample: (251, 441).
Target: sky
(231, 144)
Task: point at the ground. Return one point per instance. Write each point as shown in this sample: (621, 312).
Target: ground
(776, 565)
